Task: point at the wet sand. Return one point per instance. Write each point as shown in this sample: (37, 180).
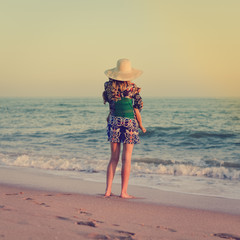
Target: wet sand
(42, 209)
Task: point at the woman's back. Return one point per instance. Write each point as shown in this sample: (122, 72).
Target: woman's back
(122, 97)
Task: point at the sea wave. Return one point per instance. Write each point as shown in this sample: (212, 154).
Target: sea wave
(217, 163)
(159, 131)
(148, 166)
(181, 132)
(203, 134)
(187, 170)
(52, 163)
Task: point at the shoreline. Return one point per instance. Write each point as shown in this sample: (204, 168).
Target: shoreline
(38, 179)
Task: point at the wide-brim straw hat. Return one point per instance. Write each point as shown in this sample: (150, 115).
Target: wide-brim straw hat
(123, 71)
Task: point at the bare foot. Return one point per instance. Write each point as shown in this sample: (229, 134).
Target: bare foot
(109, 195)
(125, 195)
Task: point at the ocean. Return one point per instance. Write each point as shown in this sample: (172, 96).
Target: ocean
(192, 145)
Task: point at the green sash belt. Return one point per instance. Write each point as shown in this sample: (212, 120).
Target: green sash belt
(124, 108)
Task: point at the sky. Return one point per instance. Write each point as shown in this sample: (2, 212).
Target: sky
(61, 48)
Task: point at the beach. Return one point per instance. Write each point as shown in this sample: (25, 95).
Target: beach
(67, 92)
(38, 205)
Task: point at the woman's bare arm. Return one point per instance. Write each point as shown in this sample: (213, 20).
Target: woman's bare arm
(139, 119)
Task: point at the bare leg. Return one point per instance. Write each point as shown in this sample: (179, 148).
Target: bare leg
(126, 167)
(115, 152)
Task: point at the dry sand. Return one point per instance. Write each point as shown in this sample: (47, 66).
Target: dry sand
(26, 212)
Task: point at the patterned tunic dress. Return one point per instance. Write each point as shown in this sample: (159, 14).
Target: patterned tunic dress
(122, 125)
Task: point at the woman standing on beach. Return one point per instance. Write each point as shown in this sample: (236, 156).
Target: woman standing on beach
(124, 119)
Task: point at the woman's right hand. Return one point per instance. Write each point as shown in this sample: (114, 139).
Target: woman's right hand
(143, 129)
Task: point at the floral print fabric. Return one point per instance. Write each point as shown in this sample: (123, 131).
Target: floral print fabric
(123, 130)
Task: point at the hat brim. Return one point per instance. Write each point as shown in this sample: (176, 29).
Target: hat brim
(123, 76)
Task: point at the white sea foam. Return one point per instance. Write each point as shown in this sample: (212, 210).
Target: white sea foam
(89, 165)
(52, 163)
(187, 170)
(212, 181)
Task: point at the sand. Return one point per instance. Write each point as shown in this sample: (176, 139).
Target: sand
(34, 209)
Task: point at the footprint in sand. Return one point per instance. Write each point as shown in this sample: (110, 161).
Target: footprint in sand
(116, 225)
(125, 232)
(31, 199)
(98, 236)
(42, 204)
(83, 223)
(13, 194)
(94, 220)
(28, 199)
(86, 223)
(63, 194)
(3, 207)
(82, 211)
(123, 236)
(166, 228)
(227, 236)
(63, 218)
